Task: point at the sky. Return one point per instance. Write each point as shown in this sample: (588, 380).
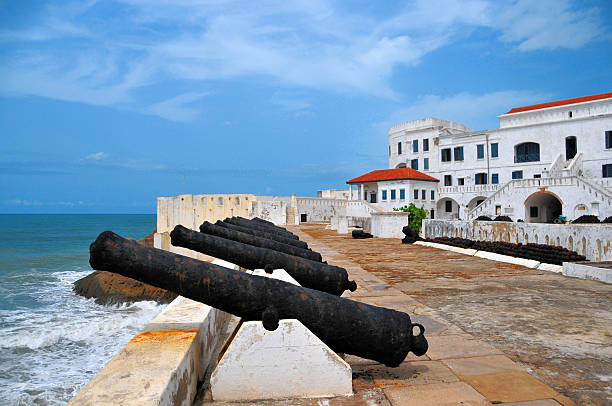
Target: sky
(105, 105)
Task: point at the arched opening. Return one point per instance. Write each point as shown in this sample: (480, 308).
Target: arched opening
(527, 152)
(401, 165)
(570, 148)
(447, 209)
(475, 202)
(542, 207)
(570, 243)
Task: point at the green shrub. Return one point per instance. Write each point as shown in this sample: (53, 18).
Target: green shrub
(416, 216)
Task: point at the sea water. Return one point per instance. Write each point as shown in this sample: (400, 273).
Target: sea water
(52, 341)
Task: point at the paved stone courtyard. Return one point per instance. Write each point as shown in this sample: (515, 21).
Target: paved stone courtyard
(498, 333)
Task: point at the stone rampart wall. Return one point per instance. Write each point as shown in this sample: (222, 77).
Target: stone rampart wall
(591, 240)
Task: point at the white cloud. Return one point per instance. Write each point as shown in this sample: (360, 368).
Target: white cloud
(23, 202)
(98, 156)
(178, 108)
(547, 24)
(315, 45)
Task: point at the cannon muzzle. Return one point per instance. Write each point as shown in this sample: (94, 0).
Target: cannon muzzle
(346, 326)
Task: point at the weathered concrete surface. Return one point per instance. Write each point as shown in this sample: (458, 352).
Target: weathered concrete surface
(557, 328)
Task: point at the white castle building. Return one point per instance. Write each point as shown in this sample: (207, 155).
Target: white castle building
(545, 160)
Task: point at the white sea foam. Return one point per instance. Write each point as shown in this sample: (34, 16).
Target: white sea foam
(47, 353)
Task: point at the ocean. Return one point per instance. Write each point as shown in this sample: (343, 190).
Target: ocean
(52, 341)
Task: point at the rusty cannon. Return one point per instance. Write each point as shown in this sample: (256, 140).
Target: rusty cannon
(239, 221)
(346, 326)
(263, 234)
(311, 274)
(244, 238)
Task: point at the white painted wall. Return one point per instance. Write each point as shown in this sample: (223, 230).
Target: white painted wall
(594, 241)
(389, 224)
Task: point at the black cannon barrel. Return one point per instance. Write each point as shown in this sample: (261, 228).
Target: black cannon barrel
(372, 332)
(244, 238)
(260, 227)
(273, 227)
(259, 219)
(263, 234)
(311, 274)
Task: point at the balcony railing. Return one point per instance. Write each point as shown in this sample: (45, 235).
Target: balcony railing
(526, 158)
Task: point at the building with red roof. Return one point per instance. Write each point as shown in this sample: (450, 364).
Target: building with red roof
(546, 159)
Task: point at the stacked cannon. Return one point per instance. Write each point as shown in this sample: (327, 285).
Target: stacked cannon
(368, 331)
(549, 254)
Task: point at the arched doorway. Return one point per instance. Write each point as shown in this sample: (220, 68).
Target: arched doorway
(542, 207)
(401, 165)
(447, 209)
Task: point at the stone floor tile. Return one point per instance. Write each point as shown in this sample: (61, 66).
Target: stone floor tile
(437, 394)
(481, 365)
(540, 402)
(510, 386)
(432, 326)
(411, 373)
(458, 346)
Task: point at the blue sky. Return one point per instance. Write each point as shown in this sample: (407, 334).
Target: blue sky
(105, 105)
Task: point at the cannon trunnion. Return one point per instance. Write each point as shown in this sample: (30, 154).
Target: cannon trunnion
(346, 326)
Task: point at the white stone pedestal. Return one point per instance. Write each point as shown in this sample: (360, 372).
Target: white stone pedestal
(289, 362)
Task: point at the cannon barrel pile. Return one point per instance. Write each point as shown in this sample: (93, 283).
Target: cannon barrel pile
(250, 239)
(368, 331)
(239, 221)
(549, 254)
(311, 274)
(263, 234)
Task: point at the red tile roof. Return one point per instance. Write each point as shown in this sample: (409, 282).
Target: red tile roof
(561, 102)
(392, 174)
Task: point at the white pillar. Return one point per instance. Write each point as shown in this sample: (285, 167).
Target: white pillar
(350, 196)
(361, 196)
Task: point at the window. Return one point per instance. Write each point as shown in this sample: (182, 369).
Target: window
(480, 178)
(433, 195)
(448, 180)
(570, 115)
(423, 194)
(537, 176)
(220, 201)
(608, 139)
(432, 213)
(446, 155)
(480, 151)
(365, 195)
(498, 210)
(494, 150)
(606, 171)
(415, 146)
(414, 164)
(448, 206)
(425, 163)
(399, 148)
(460, 181)
(384, 195)
(527, 152)
(392, 194)
(389, 150)
(402, 194)
(458, 152)
(416, 194)
(425, 144)
(495, 178)
(517, 175)
(533, 211)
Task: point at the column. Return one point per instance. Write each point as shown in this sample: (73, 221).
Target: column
(350, 190)
(361, 196)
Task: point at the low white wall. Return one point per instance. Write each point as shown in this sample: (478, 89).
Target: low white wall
(594, 241)
(321, 210)
(270, 210)
(162, 364)
(389, 224)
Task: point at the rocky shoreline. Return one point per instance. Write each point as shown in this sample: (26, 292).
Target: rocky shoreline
(109, 288)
